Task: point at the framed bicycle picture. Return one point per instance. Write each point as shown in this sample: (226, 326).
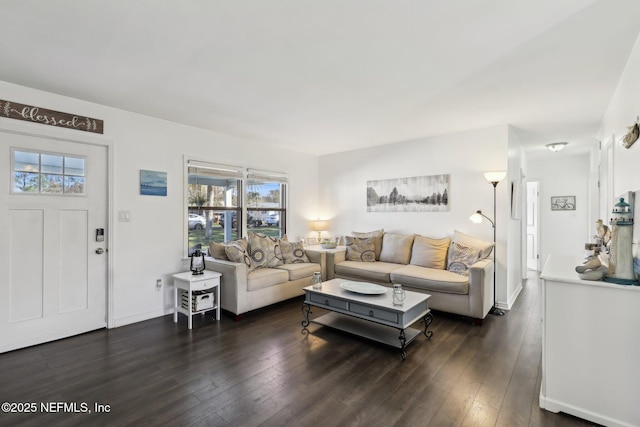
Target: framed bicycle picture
(563, 203)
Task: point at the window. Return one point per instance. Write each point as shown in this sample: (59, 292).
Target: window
(219, 208)
(213, 204)
(266, 202)
(47, 173)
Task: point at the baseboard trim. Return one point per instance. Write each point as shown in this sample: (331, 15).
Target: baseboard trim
(140, 317)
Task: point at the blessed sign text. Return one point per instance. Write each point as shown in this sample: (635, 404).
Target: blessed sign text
(14, 110)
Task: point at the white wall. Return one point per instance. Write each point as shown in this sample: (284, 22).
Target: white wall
(465, 156)
(623, 111)
(516, 256)
(156, 232)
(562, 232)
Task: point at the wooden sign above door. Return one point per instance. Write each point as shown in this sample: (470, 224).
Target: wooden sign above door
(14, 110)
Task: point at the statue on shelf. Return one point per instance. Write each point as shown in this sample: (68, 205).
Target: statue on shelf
(603, 233)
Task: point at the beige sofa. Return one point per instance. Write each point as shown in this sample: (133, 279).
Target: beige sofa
(457, 272)
(245, 286)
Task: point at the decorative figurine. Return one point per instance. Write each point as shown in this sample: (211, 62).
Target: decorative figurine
(621, 252)
(604, 233)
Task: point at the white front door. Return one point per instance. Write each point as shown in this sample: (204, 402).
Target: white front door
(532, 226)
(53, 271)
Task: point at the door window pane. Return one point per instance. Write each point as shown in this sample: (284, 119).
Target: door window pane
(25, 182)
(47, 173)
(51, 164)
(52, 183)
(26, 161)
(73, 185)
(73, 166)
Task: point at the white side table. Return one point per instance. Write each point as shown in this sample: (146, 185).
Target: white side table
(190, 283)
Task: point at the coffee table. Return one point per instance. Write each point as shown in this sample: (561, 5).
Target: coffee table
(369, 315)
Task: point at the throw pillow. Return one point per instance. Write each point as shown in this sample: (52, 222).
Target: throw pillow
(430, 253)
(483, 246)
(293, 252)
(396, 248)
(237, 252)
(359, 249)
(461, 258)
(218, 251)
(377, 239)
(264, 250)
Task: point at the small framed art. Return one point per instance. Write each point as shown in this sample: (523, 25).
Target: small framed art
(563, 203)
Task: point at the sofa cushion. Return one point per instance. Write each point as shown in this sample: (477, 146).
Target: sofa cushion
(376, 235)
(483, 246)
(300, 270)
(461, 258)
(293, 252)
(264, 277)
(431, 279)
(375, 271)
(264, 250)
(237, 252)
(360, 249)
(396, 248)
(430, 253)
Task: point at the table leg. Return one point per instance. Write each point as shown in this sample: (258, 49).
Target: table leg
(427, 321)
(175, 303)
(190, 308)
(218, 302)
(306, 310)
(403, 343)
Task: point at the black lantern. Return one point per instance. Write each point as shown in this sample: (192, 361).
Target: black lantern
(197, 262)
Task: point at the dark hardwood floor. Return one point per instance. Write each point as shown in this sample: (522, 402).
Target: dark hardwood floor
(263, 371)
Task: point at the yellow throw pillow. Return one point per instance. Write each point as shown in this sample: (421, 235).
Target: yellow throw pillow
(432, 253)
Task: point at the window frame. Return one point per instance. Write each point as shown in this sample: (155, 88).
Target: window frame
(243, 175)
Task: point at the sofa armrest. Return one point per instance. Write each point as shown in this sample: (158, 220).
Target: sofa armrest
(481, 288)
(333, 258)
(233, 283)
(318, 257)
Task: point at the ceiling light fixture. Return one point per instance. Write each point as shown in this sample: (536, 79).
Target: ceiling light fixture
(556, 146)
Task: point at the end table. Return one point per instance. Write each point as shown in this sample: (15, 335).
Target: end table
(189, 282)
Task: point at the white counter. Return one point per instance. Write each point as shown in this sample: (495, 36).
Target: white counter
(590, 346)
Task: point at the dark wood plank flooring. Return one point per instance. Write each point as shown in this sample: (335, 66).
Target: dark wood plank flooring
(263, 371)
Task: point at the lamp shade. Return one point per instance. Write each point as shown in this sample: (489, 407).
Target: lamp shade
(476, 218)
(496, 176)
(320, 225)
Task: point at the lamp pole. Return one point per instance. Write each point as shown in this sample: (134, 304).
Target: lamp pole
(494, 310)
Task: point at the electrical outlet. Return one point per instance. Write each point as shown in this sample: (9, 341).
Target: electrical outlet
(158, 284)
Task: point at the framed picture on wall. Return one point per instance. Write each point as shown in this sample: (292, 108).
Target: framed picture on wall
(153, 183)
(563, 203)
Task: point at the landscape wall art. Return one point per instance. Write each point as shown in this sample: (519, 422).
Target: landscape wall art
(415, 194)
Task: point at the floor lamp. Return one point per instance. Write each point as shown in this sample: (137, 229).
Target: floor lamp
(494, 178)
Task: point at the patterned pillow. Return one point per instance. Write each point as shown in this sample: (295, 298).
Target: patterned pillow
(359, 249)
(293, 252)
(237, 252)
(484, 247)
(264, 250)
(377, 239)
(461, 258)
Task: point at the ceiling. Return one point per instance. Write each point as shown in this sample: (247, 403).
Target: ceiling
(327, 76)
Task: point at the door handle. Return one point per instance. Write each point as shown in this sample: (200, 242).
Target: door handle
(99, 251)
